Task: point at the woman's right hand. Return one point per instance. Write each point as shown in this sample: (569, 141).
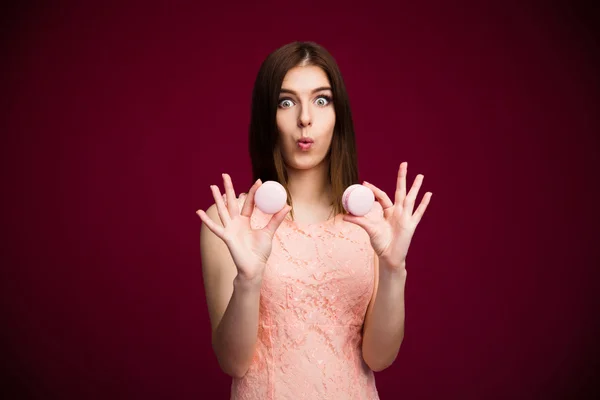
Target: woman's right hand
(249, 248)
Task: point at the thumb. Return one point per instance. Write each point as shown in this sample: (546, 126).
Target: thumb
(360, 221)
(277, 219)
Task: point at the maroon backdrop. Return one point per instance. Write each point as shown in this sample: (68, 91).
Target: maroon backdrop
(117, 118)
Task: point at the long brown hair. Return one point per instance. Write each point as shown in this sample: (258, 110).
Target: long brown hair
(265, 150)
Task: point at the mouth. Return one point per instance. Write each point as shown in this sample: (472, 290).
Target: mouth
(305, 144)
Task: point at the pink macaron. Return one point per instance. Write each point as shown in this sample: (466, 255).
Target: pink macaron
(358, 200)
(270, 197)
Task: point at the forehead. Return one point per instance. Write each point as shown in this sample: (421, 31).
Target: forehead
(305, 79)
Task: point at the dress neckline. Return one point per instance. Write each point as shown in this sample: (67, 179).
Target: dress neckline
(305, 225)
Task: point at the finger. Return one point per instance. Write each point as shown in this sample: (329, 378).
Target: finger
(232, 204)
(380, 195)
(412, 195)
(401, 184)
(249, 202)
(422, 207)
(277, 219)
(221, 208)
(215, 228)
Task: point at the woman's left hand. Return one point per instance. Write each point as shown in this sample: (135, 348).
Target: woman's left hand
(391, 231)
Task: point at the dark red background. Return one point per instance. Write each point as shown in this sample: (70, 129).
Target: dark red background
(117, 118)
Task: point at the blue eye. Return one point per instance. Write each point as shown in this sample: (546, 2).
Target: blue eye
(321, 104)
(327, 98)
(284, 101)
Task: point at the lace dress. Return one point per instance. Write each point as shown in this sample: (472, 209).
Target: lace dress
(316, 288)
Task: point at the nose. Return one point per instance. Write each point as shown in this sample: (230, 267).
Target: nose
(304, 119)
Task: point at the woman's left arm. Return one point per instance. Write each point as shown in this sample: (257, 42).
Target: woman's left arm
(384, 323)
(390, 233)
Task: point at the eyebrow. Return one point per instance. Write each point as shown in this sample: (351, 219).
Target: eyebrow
(314, 91)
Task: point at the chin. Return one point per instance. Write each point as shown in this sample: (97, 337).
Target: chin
(307, 163)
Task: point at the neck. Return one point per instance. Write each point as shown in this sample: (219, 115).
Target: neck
(310, 187)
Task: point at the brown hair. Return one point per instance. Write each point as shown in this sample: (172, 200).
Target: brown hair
(265, 151)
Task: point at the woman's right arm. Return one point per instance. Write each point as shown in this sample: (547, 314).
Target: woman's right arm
(233, 303)
(234, 256)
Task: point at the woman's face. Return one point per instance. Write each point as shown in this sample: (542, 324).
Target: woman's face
(305, 112)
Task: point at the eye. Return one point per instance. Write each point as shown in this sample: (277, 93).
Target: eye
(323, 103)
(283, 102)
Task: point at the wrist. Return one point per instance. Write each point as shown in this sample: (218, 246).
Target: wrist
(396, 267)
(242, 281)
(391, 274)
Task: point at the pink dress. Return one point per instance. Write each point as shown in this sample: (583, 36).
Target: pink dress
(316, 288)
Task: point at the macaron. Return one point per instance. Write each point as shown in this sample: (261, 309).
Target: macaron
(358, 200)
(270, 197)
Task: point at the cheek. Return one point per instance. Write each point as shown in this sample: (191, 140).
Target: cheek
(285, 133)
(284, 124)
(329, 117)
(330, 123)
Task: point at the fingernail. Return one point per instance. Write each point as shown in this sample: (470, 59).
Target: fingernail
(366, 182)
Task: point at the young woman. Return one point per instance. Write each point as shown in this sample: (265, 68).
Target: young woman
(308, 302)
